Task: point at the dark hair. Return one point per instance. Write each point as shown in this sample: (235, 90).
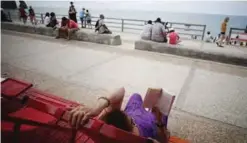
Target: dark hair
(118, 119)
(208, 32)
(52, 14)
(47, 14)
(158, 20)
(149, 21)
(64, 19)
(87, 10)
(71, 2)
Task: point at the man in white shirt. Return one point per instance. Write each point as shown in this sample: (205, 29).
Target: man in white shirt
(147, 31)
(209, 38)
(158, 32)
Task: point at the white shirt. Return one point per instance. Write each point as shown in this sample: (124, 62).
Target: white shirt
(147, 31)
(158, 31)
(101, 22)
(47, 20)
(208, 38)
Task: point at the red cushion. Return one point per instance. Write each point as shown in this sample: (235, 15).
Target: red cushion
(33, 114)
(56, 100)
(114, 134)
(27, 113)
(12, 87)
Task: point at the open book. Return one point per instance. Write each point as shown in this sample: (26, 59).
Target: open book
(156, 97)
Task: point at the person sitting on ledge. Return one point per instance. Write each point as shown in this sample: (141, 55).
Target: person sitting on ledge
(158, 32)
(209, 38)
(67, 28)
(52, 21)
(173, 37)
(47, 18)
(134, 119)
(101, 27)
(147, 31)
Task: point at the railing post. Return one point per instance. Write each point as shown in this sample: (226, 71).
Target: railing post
(170, 25)
(122, 25)
(230, 33)
(9, 15)
(42, 18)
(204, 29)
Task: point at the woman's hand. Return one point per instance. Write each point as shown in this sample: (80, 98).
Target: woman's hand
(81, 114)
(158, 115)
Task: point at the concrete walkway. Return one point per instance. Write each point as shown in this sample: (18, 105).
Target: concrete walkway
(211, 98)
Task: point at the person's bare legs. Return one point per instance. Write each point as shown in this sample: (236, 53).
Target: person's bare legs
(70, 32)
(35, 21)
(61, 32)
(24, 20)
(31, 19)
(220, 42)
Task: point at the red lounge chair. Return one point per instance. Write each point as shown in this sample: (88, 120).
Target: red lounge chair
(44, 117)
(11, 88)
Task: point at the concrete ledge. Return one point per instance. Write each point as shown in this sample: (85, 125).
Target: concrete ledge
(213, 54)
(109, 39)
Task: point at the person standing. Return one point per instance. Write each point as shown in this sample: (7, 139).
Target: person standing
(23, 14)
(223, 32)
(32, 15)
(88, 18)
(82, 15)
(72, 12)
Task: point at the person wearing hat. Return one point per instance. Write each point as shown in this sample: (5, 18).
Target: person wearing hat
(158, 32)
(173, 37)
(147, 30)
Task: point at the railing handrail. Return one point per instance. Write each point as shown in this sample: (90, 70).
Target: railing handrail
(136, 26)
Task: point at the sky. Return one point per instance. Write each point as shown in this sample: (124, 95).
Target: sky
(208, 7)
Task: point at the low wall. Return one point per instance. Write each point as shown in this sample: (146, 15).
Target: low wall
(109, 39)
(199, 53)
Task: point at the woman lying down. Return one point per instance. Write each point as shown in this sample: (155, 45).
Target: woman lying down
(134, 118)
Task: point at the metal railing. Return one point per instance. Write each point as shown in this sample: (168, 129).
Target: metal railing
(237, 35)
(136, 26)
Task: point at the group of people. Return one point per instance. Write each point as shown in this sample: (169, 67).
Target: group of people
(221, 37)
(68, 25)
(23, 15)
(159, 32)
(85, 16)
(50, 20)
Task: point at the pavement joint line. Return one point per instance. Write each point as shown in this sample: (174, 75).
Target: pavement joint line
(185, 87)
